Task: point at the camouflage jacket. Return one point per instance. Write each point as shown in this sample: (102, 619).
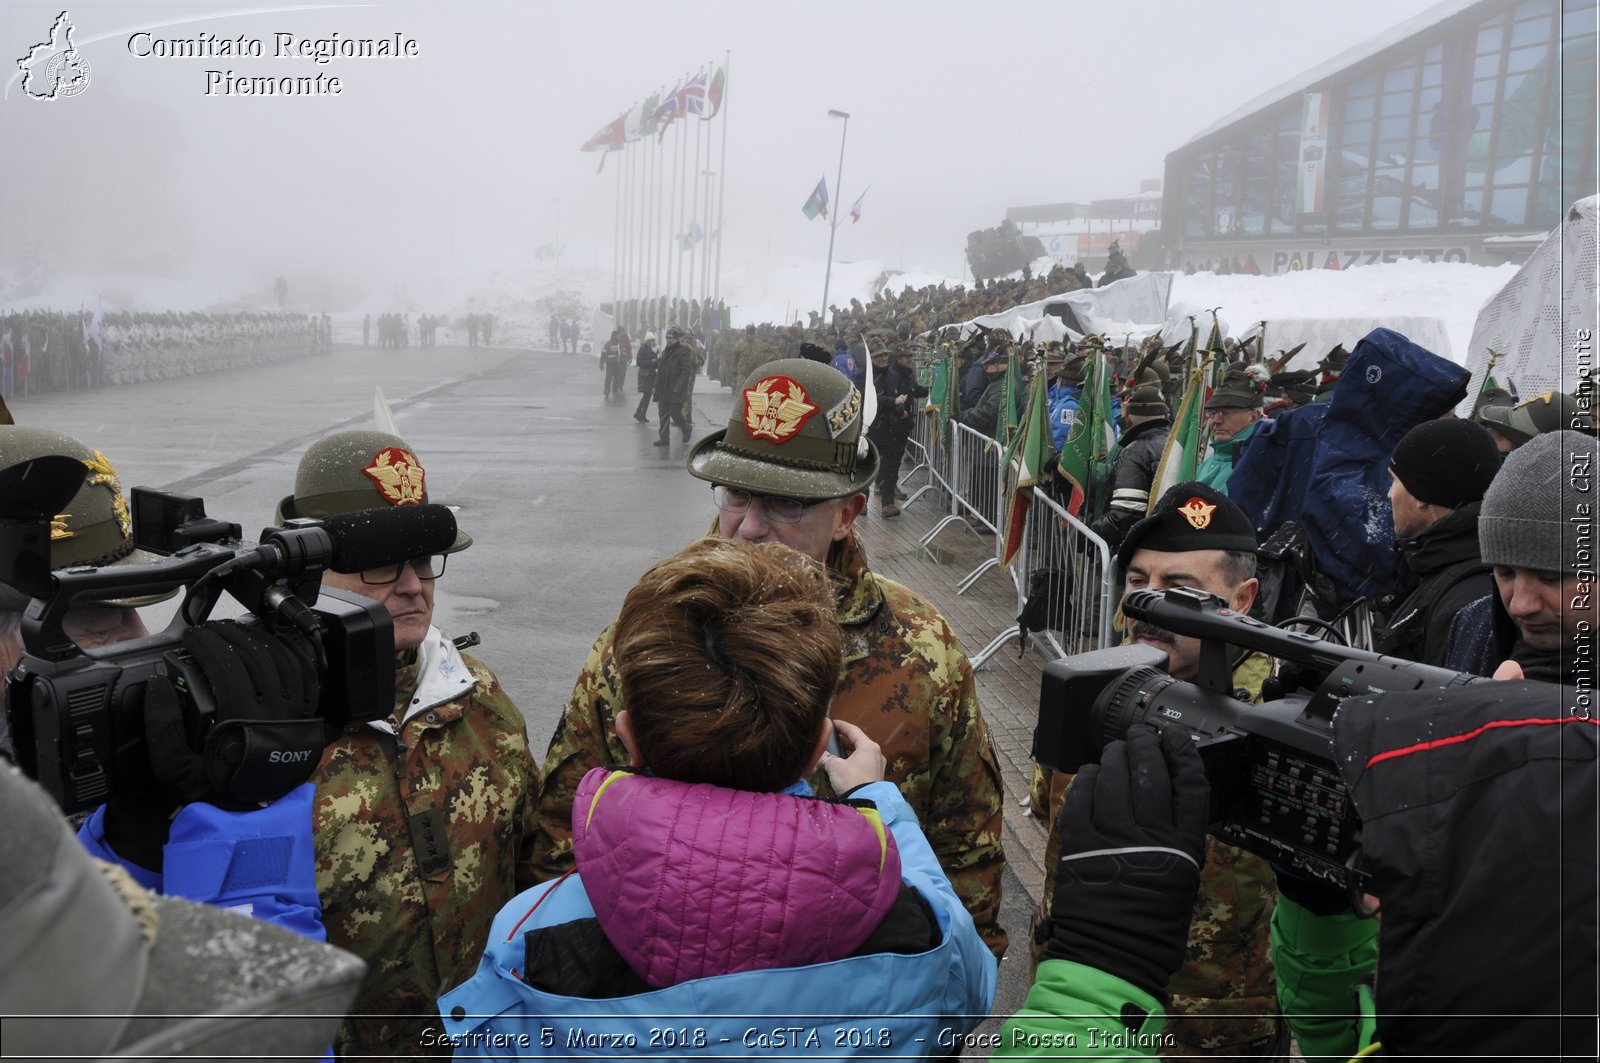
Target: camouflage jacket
(1224, 997)
(421, 837)
(906, 682)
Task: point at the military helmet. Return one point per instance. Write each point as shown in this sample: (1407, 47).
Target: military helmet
(1236, 392)
(96, 528)
(795, 431)
(355, 470)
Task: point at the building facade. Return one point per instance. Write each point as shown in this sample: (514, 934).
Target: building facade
(1461, 135)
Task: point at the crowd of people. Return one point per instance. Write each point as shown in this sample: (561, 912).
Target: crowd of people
(773, 788)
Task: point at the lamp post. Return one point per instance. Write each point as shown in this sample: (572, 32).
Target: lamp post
(833, 222)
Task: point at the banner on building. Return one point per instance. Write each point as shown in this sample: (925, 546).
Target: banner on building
(1314, 109)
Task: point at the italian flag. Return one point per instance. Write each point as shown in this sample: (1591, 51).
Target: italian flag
(1025, 465)
(1181, 456)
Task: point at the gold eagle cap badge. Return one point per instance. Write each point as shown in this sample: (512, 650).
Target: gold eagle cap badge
(400, 478)
(1197, 511)
(776, 408)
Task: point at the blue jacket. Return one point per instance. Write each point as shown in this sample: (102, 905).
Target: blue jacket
(257, 863)
(890, 1003)
(1063, 407)
(1327, 466)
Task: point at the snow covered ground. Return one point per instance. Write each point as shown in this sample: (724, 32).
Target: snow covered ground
(1449, 294)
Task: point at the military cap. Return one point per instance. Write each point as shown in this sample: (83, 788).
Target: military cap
(674, 332)
(96, 528)
(796, 431)
(995, 358)
(356, 470)
(1146, 400)
(1297, 384)
(1190, 516)
(1554, 411)
(1236, 392)
(1492, 397)
(1335, 360)
(1075, 370)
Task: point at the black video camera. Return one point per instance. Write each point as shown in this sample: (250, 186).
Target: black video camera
(76, 715)
(1275, 789)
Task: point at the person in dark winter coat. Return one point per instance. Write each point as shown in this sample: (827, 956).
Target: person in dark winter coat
(674, 380)
(1439, 471)
(1138, 453)
(1536, 531)
(646, 360)
(898, 390)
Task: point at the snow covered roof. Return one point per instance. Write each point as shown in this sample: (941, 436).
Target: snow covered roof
(1349, 57)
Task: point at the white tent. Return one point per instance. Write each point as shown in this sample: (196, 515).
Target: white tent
(1542, 323)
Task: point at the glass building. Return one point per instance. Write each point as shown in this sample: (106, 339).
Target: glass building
(1461, 135)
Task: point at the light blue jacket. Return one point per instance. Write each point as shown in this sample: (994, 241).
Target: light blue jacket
(260, 863)
(874, 1005)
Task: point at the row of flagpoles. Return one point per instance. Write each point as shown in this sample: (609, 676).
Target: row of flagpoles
(669, 207)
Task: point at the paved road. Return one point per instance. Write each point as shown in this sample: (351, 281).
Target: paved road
(566, 499)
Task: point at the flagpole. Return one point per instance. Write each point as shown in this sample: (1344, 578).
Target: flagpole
(694, 214)
(838, 196)
(616, 244)
(705, 248)
(627, 236)
(683, 206)
(722, 168)
(643, 267)
(674, 262)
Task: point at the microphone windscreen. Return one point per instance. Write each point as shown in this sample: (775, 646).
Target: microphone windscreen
(388, 535)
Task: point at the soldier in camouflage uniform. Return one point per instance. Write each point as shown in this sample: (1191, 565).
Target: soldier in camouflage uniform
(1224, 1000)
(422, 822)
(906, 680)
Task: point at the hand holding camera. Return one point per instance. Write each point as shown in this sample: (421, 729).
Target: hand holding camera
(1133, 841)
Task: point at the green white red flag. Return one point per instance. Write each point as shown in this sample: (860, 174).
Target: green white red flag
(1024, 465)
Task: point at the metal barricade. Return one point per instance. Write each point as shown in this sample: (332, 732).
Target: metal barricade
(1071, 568)
(977, 490)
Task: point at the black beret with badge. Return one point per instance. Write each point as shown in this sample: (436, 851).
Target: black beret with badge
(1190, 516)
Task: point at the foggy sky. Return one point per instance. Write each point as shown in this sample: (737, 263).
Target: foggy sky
(447, 164)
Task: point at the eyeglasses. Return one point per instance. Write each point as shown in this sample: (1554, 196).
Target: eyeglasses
(426, 568)
(778, 510)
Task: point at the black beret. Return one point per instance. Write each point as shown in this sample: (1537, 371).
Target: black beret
(1190, 516)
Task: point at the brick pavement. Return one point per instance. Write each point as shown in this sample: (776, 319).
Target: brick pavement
(1008, 686)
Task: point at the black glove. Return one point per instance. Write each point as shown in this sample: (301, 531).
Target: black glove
(265, 738)
(1133, 841)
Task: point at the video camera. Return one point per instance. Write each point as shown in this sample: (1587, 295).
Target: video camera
(76, 715)
(1275, 789)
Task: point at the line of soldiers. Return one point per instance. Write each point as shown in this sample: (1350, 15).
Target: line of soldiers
(53, 350)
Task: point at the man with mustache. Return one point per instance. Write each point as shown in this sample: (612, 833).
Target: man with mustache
(1223, 997)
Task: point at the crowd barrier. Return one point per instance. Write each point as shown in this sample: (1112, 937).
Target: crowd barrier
(1059, 559)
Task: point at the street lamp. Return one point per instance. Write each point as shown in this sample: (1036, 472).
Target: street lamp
(833, 222)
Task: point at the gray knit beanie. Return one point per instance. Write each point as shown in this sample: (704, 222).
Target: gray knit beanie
(1539, 512)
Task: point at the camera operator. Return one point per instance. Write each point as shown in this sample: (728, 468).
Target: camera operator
(181, 827)
(1478, 807)
(1536, 530)
(423, 822)
(1223, 995)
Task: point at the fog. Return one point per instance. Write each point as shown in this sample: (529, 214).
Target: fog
(432, 169)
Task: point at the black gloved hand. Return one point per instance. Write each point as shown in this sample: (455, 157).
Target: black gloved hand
(266, 737)
(1133, 841)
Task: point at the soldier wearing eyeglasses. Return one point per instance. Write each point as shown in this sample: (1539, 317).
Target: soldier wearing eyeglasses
(793, 466)
(423, 821)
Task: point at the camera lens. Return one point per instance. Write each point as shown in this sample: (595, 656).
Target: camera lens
(1127, 701)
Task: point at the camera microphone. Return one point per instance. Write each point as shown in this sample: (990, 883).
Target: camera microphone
(376, 538)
